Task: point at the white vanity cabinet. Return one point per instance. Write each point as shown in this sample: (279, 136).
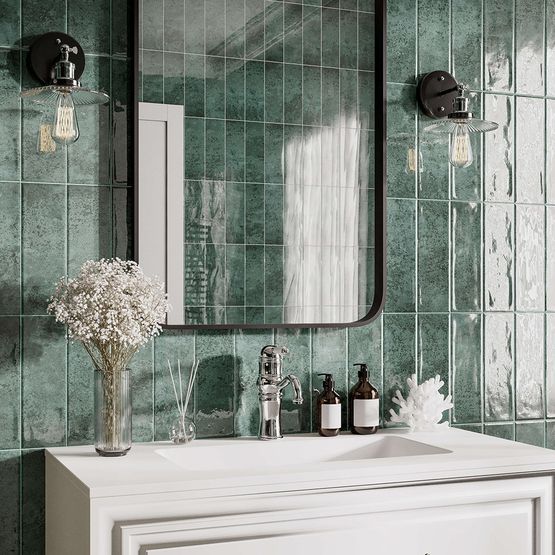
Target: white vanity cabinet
(404, 510)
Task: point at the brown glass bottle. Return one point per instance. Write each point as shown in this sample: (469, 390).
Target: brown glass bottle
(329, 409)
(364, 405)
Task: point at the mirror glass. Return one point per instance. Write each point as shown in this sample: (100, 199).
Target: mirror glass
(258, 186)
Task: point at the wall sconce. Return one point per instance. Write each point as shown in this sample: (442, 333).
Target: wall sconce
(58, 61)
(440, 96)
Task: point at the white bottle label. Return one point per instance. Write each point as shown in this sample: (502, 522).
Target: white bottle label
(366, 412)
(331, 417)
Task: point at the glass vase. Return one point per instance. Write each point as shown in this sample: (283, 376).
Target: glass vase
(112, 407)
(183, 431)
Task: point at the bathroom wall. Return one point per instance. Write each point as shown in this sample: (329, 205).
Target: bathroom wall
(470, 259)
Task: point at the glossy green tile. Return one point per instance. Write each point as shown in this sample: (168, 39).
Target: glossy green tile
(401, 256)
(194, 148)
(205, 209)
(399, 363)
(43, 408)
(80, 395)
(174, 78)
(550, 435)
(401, 135)
(433, 256)
(254, 171)
(194, 26)
(273, 96)
(529, 46)
(172, 346)
(348, 33)
(122, 24)
(273, 31)
(214, 159)
(174, 35)
(366, 99)
(503, 431)
(32, 522)
(235, 275)
(10, 255)
(11, 18)
(474, 428)
(152, 77)
(273, 145)
(255, 314)
(235, 150)
(292, 30)
(433, 35)
(297, 418)
(235, 89)
(142, 387)
(89, 225)
(348, 96)
(331, 107)
(10, 476)
(466, 43)
(254, 277)
(273, 214)
(498, 366)
(293, 94)
(329, 355)
(10, 378)
(432, 161)
(273, 276)
(364, 344)
(366, 5)
(254, 29)
(330, 37)
(366, 39)
(401, 41)
(529, 365)
(202, 261)
(194, 85)
(235, 28)
(433, 348)
(10, 141)
(235, 315)
(214, 26)
(466, 272)
(532, 433)
(254, 91)
(312, 95)
(235, 212)
(44, 243)
(312, 36)
(466, 367)
(38, 18)
(153, 25)
(91, 23)
(215, 387)
(498, 44)
(215, 87)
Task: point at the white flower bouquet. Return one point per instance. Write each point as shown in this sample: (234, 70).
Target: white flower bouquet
(113, 308)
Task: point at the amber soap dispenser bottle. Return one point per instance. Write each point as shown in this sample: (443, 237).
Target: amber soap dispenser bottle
(329, 408)
(364, 404)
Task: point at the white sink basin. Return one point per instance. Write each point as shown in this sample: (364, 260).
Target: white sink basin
(293, 451)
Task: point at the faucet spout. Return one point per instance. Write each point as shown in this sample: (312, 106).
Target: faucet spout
(296, 384)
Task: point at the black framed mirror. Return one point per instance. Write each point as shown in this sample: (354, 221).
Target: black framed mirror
(260, 160)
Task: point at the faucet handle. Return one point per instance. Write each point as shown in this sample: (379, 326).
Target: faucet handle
(272, 351)
(271, 358)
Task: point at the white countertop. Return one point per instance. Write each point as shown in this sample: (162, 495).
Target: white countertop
(144, 471)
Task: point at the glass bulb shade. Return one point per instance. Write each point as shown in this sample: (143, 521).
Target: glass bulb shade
(81, 96)
(65, 129)
(473, 125)
(460, 150)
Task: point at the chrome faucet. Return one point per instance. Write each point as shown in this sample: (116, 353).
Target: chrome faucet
(270, 386)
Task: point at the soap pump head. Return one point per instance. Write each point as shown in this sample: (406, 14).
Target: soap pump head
(363, 372)
(328, 382)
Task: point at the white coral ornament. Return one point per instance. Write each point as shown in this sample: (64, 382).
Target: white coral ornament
(423, 408)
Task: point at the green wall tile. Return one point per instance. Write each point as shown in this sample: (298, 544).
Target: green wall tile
(80, 395)
(194, 26)
(215, 150)
(10, 139)
(235, 28)
(254, 90)
(348, 32)
(401, 256)
(254, 215)
(331, 99)
(174, 78)
(466, 226)
(550, 435)
(273, 31)
(467, 42)
(273, 95)
(433, 256)
(10, 382)
(433, 35)
(273, 145)
(498, 44)
(174, 35)
(273, 214)
(273, 276)
(529, 46)
(152, 82)
(11, 18)
(504, 431)
(194, 85)
(215, 383)
(401, 41)
(43, 258)
(366, 34)
(330, 37)
(292, 41)
(10, 255)
(153, 24)
(38, 18)
(532, 433)
(433, 348)
(293, 95)
(235, 275)
(399, 363)
(433, 163)
(255, 148)
(194, 148)
(10, 475)
(235, 212)
(254, 29)
(312, 95)
(214, 26)
(254, 275)
(235, 150)
(364, 344)
(215, 87)
(43, 412)
(91, 24)
(312, 37)
(141, 368)
(466, 367)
